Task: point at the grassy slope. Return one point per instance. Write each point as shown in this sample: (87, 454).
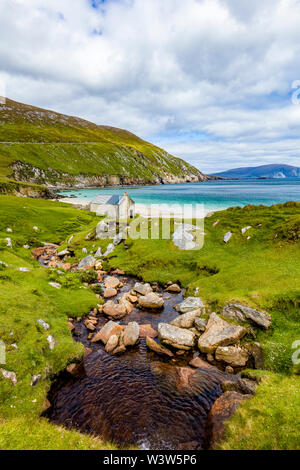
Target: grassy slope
(25, 297)
(263, 271)
(71, 145)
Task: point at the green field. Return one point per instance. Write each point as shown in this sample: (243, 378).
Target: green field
(263, 271)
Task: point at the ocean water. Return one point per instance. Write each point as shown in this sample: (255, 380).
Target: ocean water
(214, 195)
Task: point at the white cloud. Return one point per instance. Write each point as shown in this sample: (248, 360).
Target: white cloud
(166, 69)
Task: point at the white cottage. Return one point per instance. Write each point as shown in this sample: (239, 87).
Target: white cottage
(113, 206)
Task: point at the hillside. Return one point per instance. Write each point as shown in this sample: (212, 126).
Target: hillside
(47, 148)
(264, 171)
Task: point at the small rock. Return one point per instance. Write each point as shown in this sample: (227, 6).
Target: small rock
(179, 338)
(8, 242)
(227, 237)
(111, 282)
(26, 247)
(189, 304)
(63, 253)
(89, 325)
(98, 253)
(109, 329)
(116, 311)
(70, 239)
(35, 228)
(147, 330)
(142, 289)
(233, 355)
(244, 229)
(71, 326)
(118, 272)
(174, 288)
(229, 370)
(52, 342)
(35, 379)
(186, 320)
(112, 343)
(9, 230)
(158, 348)
(87, 263)
(84, 250)
(131, 334)
(9, 376)
(151, 301)
(110, 248)
(200, 364)
(216, 223)
(56, 285)
(43, 324)
(200, 324)
(109, 292)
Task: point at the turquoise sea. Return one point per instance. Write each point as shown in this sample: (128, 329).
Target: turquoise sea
(215, 195)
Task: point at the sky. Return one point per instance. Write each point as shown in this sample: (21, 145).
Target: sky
(210, 81)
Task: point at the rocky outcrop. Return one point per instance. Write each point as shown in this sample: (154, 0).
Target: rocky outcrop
(242, 313)
(178, 338)
(219, 333)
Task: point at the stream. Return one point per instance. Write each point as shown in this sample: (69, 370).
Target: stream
(137, 398)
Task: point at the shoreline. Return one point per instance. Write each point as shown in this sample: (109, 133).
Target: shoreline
(163, 210)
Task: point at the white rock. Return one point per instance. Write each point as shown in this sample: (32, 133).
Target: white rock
(55, 284)
(227, 237)
(70, 239)
(43, 324)
(35, 228)
(24, 270)
(9, 230)
(8, 242)
(9, 376)
(51, 341)
(109, 249)
(98, 253)
(35, 379)
(84, 250)
(189, 304)
(63, 253)
(26, 247)
(244, 230)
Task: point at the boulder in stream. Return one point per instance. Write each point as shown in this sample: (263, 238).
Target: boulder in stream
(158, 348)
(186, 320)
(178, 338)
(219, 333)
(232, 355)
(109, 329)
(151, 301)
(189, 304)
(131, 334)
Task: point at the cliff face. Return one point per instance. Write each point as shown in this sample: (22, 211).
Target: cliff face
(44, 147)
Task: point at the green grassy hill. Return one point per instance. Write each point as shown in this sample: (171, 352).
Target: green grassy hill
(45, 147)
(263, 271)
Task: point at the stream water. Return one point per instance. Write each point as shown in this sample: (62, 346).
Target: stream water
(137, 398)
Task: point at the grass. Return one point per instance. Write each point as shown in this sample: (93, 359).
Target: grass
(263, 272)
(65, 147)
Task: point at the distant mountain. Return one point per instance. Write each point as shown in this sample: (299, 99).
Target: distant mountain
(264, 171)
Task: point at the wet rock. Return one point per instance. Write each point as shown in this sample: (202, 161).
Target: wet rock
(131, 334)
(183, 375)
(147, 330)
(200, 324)
(89, 325)
(35, 379)
(51, 342)
(111, 282)
(174, 288)
(222, 410)
(179, 338)
(219, 333)
(242, 313)
(186, 320)
(112, 343)
(243, 386)
(227, 237)
(43, 324)
(151, 301)
(142, 289)
(87, 263)
(9, 375)
(120, 349)
(71, 326)
(109, 329)
(132, 298)
(56, 285)
(124, 301)
(229, 370)
(158, 348)
(200, 364)
(109, 292)
(189, 304)
(233, 355)
(116, 311)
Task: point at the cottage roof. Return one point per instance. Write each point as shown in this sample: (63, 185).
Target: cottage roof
(107, 199)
